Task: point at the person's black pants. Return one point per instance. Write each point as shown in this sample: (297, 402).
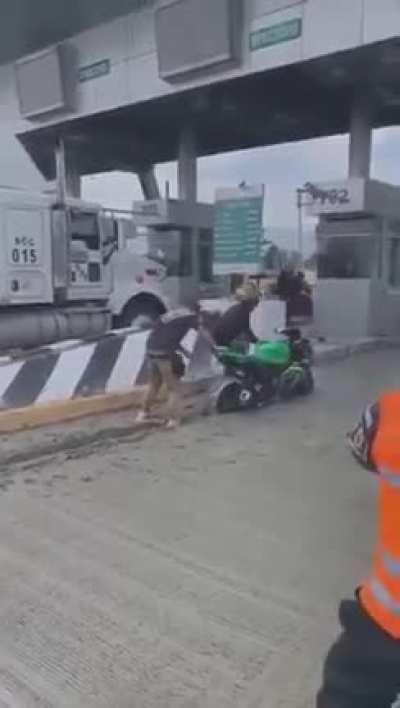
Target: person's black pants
(362, 669)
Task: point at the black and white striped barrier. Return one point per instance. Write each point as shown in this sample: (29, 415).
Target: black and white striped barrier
(112, 364)
(68, 370)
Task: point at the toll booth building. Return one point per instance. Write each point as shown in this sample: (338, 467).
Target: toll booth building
(358, 241)
(95, 86)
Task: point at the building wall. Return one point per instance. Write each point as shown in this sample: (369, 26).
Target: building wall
(342, 307)
(129, 45)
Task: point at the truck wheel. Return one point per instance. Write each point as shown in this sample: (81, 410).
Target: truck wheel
(139, 315)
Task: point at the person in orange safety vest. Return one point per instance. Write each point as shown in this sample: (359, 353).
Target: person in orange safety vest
(362, 669)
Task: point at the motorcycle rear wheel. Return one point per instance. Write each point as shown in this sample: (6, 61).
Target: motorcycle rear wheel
(232, 397)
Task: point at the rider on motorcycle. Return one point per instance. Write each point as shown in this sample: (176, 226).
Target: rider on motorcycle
(234, 324)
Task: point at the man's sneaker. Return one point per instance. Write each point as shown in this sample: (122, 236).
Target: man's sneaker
(141, 417)
(172, 424)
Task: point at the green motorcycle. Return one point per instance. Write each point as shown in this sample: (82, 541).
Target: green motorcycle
(271, 370)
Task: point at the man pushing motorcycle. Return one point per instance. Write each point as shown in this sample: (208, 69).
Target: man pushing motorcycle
(164, 345)
(164, 360)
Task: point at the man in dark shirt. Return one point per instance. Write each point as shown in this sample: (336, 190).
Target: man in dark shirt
(169, 330)
(235, 322)
(165, 365)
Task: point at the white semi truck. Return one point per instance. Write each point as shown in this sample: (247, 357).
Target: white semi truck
(70, 269)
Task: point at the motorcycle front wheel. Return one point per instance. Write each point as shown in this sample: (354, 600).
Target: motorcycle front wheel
(307, 386)
(295, 381)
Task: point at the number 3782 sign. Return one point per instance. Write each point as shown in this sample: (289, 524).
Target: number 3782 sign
(24, 251)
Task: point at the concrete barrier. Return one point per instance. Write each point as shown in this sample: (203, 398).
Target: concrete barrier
(112, 364)
(71, 370)
(71, 379)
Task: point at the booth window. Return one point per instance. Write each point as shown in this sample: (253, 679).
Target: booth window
(394, 263)
(346, 257)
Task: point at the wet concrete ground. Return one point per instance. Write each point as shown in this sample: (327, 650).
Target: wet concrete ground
(194, 569)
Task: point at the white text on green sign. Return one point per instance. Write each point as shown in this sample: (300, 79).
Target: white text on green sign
(238, 229)
(276, 34)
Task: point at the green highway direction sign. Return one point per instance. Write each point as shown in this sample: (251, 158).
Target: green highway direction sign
(238, 230)
(275, 34)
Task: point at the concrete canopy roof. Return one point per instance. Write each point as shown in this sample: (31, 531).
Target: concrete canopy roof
(29, 25)
(298, 102)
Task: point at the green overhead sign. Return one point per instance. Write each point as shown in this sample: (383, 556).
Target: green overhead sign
(238, 230)
(94, 71)
(275, 34)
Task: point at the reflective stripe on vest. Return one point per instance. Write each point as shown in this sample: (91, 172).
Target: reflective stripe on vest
(391, 564)
(380, 596)
(390, 477)
(384, 598)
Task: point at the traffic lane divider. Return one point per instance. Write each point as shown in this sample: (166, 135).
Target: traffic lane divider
(48, 414)
(116, 363)
(58, 384)
(45, 414)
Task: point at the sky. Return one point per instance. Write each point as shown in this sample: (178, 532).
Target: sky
(281, 168)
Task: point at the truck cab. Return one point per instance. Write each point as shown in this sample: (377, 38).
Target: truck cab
(72, 269)
(138, 294)
(162, 257)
